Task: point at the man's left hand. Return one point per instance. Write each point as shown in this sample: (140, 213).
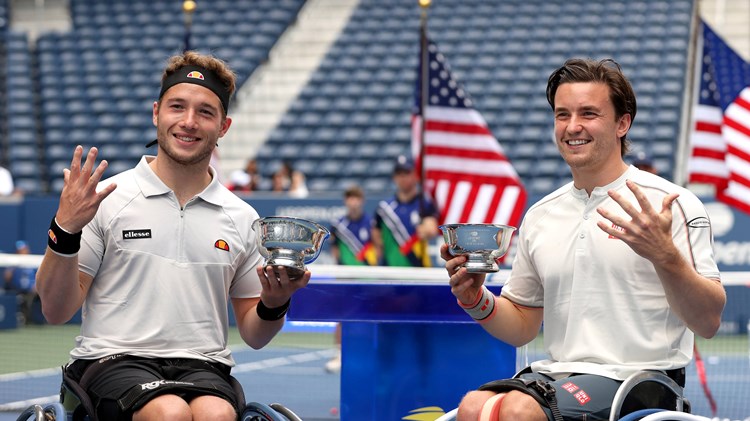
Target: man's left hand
(648, 232)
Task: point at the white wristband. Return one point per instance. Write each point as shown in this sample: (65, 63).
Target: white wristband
(483, 308)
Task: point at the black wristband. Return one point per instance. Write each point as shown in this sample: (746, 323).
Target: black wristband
(61, 241)
(271, 314)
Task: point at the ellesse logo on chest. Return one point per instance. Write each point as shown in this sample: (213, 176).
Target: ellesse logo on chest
(136, 234)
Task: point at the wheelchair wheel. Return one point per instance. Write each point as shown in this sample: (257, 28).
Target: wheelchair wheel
(51, 412)
(281, 409)
(255, 411)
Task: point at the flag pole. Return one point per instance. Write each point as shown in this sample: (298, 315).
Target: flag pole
(423, 92)
(188, 8)
(694, 59)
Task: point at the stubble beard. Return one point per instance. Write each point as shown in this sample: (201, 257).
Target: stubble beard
(203, 155)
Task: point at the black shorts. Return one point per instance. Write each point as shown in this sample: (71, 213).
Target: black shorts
(120, 385)
(582, 396)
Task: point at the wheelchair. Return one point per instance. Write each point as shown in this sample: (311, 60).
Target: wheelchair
(75, 405)
(645, 395)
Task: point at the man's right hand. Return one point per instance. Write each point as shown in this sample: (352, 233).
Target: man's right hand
(464, 285)
(79, 199)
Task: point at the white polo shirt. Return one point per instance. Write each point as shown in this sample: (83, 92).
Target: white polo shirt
(163, 275)
(605, 310)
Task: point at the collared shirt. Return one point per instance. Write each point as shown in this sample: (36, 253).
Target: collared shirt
(352, 237)
(398, 223)
(605, 309)
(163, 274)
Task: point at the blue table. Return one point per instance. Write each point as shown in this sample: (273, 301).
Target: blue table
(406, 346)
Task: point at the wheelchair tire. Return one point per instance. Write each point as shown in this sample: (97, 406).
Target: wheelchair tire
(281, 409)
(32, 413)
(255, 411)
(51, 412)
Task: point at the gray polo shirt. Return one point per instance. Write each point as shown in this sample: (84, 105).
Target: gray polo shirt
(162, 274)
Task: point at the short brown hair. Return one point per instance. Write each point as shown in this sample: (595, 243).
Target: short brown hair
(354, 191)
(226, 76)
(605, 71)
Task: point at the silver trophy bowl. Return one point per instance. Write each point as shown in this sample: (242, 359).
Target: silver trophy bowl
(483, 244)
(289, 242)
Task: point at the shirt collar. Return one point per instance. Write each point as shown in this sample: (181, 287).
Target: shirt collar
(601, 191)
(151, 185)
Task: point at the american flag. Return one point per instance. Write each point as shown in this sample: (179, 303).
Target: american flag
(465, 168)
(720, 137)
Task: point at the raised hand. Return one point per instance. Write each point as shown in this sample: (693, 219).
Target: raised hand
(648, 232)
(79, 199)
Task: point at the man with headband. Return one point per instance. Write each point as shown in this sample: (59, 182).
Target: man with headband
(152, 256)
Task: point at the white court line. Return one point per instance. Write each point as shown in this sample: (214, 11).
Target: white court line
(239, 368)
(23, 375)
(283, 361)
(21, 405)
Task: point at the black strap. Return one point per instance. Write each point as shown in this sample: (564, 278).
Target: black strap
(549, 394)
(74, 387)
(540, 390)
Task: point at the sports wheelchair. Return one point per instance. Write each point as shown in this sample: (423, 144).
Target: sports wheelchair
(75, 405)
(646, 395)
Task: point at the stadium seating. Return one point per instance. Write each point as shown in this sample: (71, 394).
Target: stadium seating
(98, 81)
(361, 95)
(95, 84)
(21, 127)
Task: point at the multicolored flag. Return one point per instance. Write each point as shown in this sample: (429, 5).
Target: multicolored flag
(720, 135)
(465, 168)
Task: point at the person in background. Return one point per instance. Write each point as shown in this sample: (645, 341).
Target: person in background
(350, 245)
(153, 255)
(246, 180)
(643, 162)
(289, 180)
(405, 223)
(618, 265)
(7, 188)
(22, 281)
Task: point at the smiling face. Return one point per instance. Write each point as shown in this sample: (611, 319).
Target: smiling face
(587, 132)
(189, 121)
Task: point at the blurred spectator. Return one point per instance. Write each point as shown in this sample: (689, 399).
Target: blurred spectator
(22, 281)
(287, 179)
(643, 162)
(246, 180)
(350, 245)
(6, 182)
(404, 224)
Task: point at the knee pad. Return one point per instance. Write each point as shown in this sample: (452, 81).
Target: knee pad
(491, 408)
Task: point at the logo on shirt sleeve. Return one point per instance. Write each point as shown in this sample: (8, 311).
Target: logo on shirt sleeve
(136, 234)
(221, 245)
(701, 222)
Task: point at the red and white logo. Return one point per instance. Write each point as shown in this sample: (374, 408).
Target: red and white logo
(570, 387)
(582, 397)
